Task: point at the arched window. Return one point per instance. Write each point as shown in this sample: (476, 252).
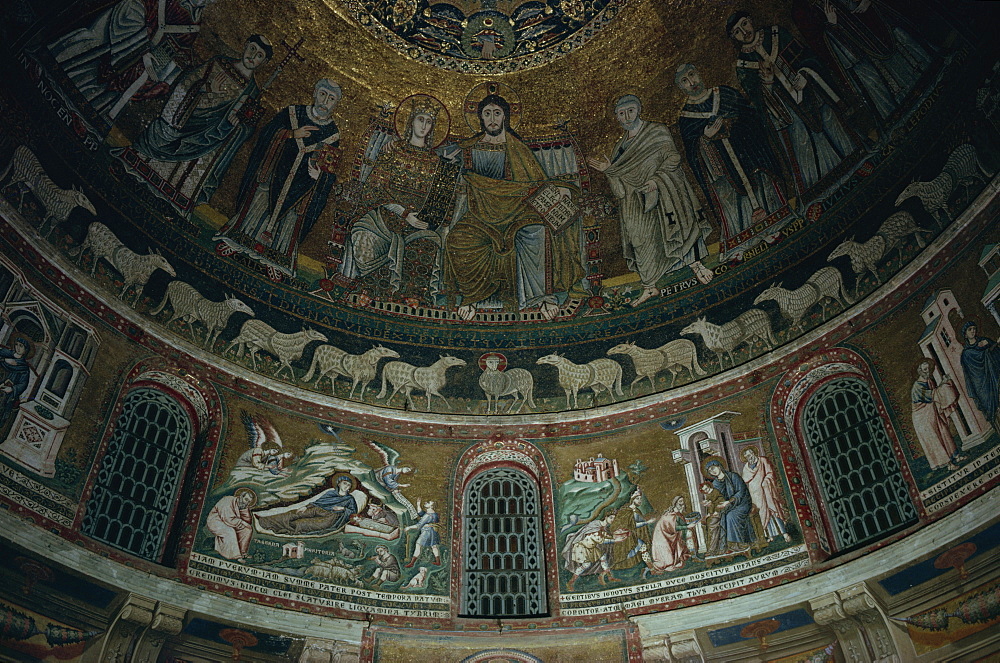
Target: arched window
(134, 492)
(864, 490)
(504, 564)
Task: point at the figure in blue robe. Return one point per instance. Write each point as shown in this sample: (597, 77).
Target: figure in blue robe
(736, 523)
(429, 537)
(15, 381)
(981, 365)
(327, 514)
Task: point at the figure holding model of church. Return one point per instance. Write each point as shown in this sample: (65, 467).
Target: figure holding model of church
(210, 113)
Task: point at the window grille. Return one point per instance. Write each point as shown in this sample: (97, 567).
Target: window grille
(140, 475)
(865, 493)
(504, 568)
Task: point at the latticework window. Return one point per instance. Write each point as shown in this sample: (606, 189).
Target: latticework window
(865, 493)
(504, 569)
(140, 475)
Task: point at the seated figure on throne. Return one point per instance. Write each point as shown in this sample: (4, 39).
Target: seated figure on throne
(501, 250)
(394, 246)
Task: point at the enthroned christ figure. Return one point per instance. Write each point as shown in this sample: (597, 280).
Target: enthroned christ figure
(501, 251)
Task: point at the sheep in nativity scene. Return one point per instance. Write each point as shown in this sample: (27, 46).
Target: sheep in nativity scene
(418, 581)
(334, 571)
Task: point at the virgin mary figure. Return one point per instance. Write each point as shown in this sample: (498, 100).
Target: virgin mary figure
(397, 232)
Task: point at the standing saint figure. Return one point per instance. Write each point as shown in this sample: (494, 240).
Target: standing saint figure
(728, 148)
(663, 225)
(500, 252)
(762, 482)
(17, 372)
(735, 524)
(132, 50)
(428, 537)
(981, 365)
(396, 235)
(933, 404)
(287, 182)
(230, 522)
(786, 81)
(880, 61)
(670, 549)
(183, 153)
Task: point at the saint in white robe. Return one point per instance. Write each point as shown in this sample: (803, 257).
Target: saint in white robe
(664, 230)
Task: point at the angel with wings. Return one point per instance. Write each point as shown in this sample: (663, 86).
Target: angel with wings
(265, 455)
(388, 476)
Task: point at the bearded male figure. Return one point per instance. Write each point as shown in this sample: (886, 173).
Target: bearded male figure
(788, 82)
(727, 147)
(663, 224)
(499, 251)
(287, 183)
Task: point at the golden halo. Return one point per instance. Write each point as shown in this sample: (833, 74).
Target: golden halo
(442, 123)
(243, 491)
(483, 90)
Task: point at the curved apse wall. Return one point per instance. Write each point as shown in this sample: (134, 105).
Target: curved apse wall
(796, 387)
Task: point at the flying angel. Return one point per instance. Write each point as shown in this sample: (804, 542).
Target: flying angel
(266, 450)
(388, 475)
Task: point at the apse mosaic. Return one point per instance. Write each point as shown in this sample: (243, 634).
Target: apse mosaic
(185, 214)
(707, 498)
(486, 247)
(485, 36)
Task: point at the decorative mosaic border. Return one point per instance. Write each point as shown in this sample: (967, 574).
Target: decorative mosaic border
(564, 47)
